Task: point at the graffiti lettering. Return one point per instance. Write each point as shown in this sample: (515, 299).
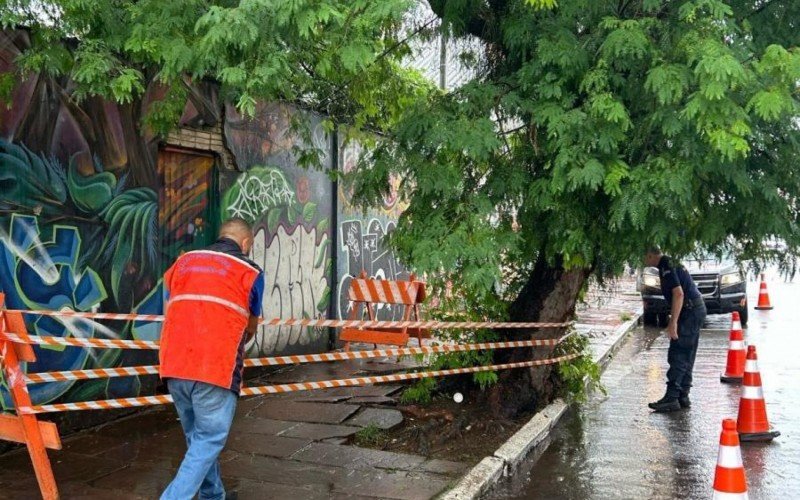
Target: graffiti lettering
(364, 251)
(255, 192)
(296, 285)
(47, 276)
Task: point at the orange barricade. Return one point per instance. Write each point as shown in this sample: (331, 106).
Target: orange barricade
(24, 427)
(370, 293)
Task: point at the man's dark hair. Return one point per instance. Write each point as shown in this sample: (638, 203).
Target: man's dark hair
(235, 225)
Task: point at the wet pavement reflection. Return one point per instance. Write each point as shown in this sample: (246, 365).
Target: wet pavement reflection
(614, 447)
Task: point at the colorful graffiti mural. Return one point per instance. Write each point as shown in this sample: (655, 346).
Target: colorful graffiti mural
(69, 241)
(290, 208)
(361, 243)
(94, 207)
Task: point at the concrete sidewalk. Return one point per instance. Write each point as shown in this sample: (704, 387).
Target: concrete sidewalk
(291, 445)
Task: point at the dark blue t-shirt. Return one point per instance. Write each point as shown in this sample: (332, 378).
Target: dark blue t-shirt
(676, 276)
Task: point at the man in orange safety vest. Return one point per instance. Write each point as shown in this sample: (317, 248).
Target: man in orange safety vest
(213, 306)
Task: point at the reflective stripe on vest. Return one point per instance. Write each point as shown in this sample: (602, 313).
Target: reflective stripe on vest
(210, 298)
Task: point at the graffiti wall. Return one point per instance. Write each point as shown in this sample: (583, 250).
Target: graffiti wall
(86, 200)
(94, 208)
(361, 245)
(290, 207)
(77, 230)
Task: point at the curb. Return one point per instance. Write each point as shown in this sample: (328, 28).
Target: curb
(481, 478)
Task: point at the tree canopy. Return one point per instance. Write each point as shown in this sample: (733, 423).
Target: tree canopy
(339, 57)
(596, 129)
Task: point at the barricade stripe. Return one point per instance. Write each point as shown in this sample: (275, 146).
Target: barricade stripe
(283, 388)
(148, 344)
(38, 378)
(80, 342)
(316, 323)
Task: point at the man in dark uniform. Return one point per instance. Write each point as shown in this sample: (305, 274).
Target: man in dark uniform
(687, 314)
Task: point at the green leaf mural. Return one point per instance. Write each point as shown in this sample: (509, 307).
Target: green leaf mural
(90, 193)
(30, 181)
(132, 220)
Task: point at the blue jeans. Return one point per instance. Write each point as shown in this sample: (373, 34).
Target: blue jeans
(206, 413)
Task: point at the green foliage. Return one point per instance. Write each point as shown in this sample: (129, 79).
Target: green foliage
(596, 129)
(580, 375)
(420, 391)
(339, 56)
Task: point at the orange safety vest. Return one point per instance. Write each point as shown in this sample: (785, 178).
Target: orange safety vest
(206, 317)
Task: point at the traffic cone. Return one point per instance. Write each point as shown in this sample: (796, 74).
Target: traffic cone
(763, 296)
(729, 480)
(734, 369)
(752, 423)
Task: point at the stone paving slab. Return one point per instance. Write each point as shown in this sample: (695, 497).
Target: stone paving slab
(295, 411)
(260, 444)
(444, 467)
(275, 470)
(378, 417)
(373, 400)
(397, 485)
(147, 480)
(319, 432)
(352, 457)
(261, 425)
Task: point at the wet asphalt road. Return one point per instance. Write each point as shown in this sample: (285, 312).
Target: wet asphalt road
(614, 447)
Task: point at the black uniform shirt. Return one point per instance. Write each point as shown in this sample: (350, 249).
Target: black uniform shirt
(672, 277)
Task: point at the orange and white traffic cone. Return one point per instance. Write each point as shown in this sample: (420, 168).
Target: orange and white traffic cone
(729, 479)
(752, 423)
(734, 369)
(763, 296)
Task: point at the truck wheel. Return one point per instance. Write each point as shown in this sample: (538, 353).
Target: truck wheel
(650, 318)
(743, 316)
(663, 320)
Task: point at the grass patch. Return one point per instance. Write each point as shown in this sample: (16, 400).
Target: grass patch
(371, 435)
(625, 317)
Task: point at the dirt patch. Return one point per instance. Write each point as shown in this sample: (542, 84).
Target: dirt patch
(445, 430)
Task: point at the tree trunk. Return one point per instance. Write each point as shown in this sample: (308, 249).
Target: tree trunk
(549, 295)
(39, 123)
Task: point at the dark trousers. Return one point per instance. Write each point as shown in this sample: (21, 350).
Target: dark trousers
(683, 351)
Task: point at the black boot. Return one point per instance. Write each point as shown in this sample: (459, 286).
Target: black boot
(685, 402)
(665, 404)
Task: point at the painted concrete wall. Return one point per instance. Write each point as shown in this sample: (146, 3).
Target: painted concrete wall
(94, 208)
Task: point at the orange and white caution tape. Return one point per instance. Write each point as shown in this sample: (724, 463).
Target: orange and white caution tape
(38, 378)
(388, 353)
(396, 377)
(319, 323)
(109, 404)
(92, 315)
(24, 338)
(106, 404)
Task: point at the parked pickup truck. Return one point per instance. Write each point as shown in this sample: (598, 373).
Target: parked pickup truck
(722, 284)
